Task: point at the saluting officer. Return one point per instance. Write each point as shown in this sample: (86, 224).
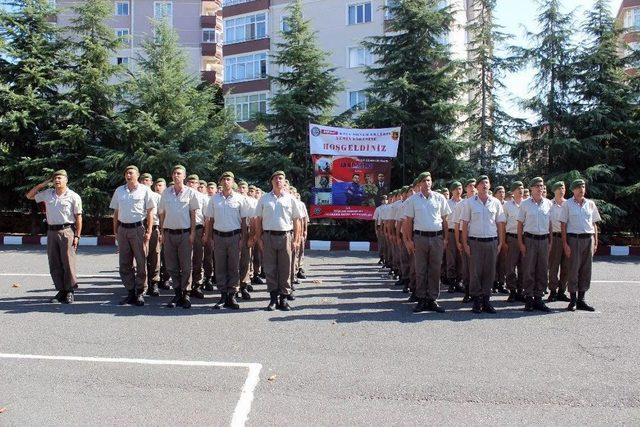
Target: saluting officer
(482, 236)
(580, 241)
(278, 228)
(425, 218)
(64, 220)
(133, 204)
(534, 238)
(178, 207)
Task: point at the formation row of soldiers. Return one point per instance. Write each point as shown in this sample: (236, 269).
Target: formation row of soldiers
(196, 233)
(479, 242)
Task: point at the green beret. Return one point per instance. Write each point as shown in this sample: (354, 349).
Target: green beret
(498, 188)
(444, 190)
(202, 182)
(276, 173)
(193, 177)
(160, 180)
(557, 185)
(146, 176)
(59, 172)
(135, 168)
(423, 176)
(482, 178)
(535, 181)
(577, 183)
(226, 174)
(516, 184)
(455, 184)
(243, 182)
(470, 181)
(234, 187)
(176, 167)
(415, 182)
(252, 187)
(212, 184)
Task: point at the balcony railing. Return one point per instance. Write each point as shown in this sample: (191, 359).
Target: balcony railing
(208, 21)
(234, 2)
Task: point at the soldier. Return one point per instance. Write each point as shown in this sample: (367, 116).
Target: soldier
(534, 238)
(425, 219)
(278, 228)
(64, 222)
(498, 285)
(453, 256)
(514, 272)
(470, 190)
(304, 225)
(193, 181)
(202, 186)
(580, 241)
(403, 251)
(255, 250)
(245, 252)
(178, 207)
(227, 225)
(377, 224)
(132, 204)
(558, 262)
(153, 253)
(482, 236)
(385, 214)
(207, 262)
(159, 187)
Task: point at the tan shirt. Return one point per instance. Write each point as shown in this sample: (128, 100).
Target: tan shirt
(398, 213)
(177, 207)
(427, 212)
(376, 215)
(156, 198)
(132, 205)
(556, 214)
(455, 217)
(511, 211)
(482, 218)
(203, 202)
(228, 212)
(535, 217)
(61, 209)
(580, 219)
(303, 209)
(277, 213)
(452, 206)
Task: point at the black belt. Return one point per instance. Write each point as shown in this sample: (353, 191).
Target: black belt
(179, 231)
(536, 236)
(512, 235)
(277, 233)
(226, 233)
(130, 225)
(556, 234)
(427, 233)
(199, 226)
(57, 227)
(580, 235)
(483, 239)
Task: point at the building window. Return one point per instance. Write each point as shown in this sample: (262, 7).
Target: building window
(359, 57)
(245, 67)
(209, 35)
(245, 28)
(632, 18)
(358, 100)
(163, 10)
(123, 35)
(122, 8)
(122, 60)
(358, 13)
(284, 24)
(389, 3)
(245, 107)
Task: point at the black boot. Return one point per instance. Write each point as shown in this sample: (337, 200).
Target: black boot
(301, 275)
(155, 291)
(520, 296)
(494, 289)
(539, 305)
(582, 305)
(291, 297)
(164, 284)
(177, 299)
(249, 287)
(528, 304)
(433, 305)
(561, 296)
(69, 298)
(283, 304)
(466, 297)
(477, 305)
(208, 284)
(60, 297)
(451, 288)
(552, 296)
(256, 280)
(413, 297)
(572, 301)
(513, 297)
(196, 292)
(130, 299)
(458, 287)
(421, 306)
(486, 305)
(405, 286)
(186, 299)
(273, 302)
(244, 293)
(231, 302)
(501, 288)
(399, 282)
(262, 274)
(139, 302)
(380, 261)
(221, 301)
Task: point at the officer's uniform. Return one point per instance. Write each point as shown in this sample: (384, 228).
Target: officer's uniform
(300, 258)
(132, 206)
(207, 261)
(376, 224)
(464, 265)
(153, 255)
(535, 220)
(61, 211)
(385, 216)
(453, 256)
(558, 262)
(513, 257)
(403, 253)
(198, 245)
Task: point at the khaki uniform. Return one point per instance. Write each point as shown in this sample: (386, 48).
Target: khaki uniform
(61, 214)
(536, 223)
(175, 232)
(514, 268)
(132, 206)
(153, 254)
(198, 246)
(558, 262)
(245, 252)
(377, 221)
(464, 273)
(453, 256)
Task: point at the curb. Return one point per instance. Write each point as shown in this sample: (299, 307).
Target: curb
(315, 245)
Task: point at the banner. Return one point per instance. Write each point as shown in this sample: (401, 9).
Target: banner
(351, 170)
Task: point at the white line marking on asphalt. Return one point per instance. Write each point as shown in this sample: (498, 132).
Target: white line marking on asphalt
(114, 275)
(243, 406)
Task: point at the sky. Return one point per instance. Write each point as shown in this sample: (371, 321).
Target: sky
(514, 15)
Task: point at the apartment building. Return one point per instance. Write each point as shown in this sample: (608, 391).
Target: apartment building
(198, 24)
(628, 17)
(253, 27)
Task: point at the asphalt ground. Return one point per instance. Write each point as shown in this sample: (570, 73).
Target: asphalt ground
(350, 353)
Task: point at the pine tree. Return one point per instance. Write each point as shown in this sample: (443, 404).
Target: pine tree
(305, 90)
(415, 83)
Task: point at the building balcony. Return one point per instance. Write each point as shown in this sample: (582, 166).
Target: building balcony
(211, 49)
(246, 46)
(209, 76)
(208, 21)
(239, 7)
(246, 86)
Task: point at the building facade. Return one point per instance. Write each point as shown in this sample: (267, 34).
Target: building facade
(198, 24)
(253, 27)
(628, 17)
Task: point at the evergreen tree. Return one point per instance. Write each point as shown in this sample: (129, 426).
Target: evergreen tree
(305, 90)
(416, 83)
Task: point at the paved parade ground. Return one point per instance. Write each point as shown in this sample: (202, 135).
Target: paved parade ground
(350, 353)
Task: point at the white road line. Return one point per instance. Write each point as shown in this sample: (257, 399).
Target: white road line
(114, 275)
(243, 406)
